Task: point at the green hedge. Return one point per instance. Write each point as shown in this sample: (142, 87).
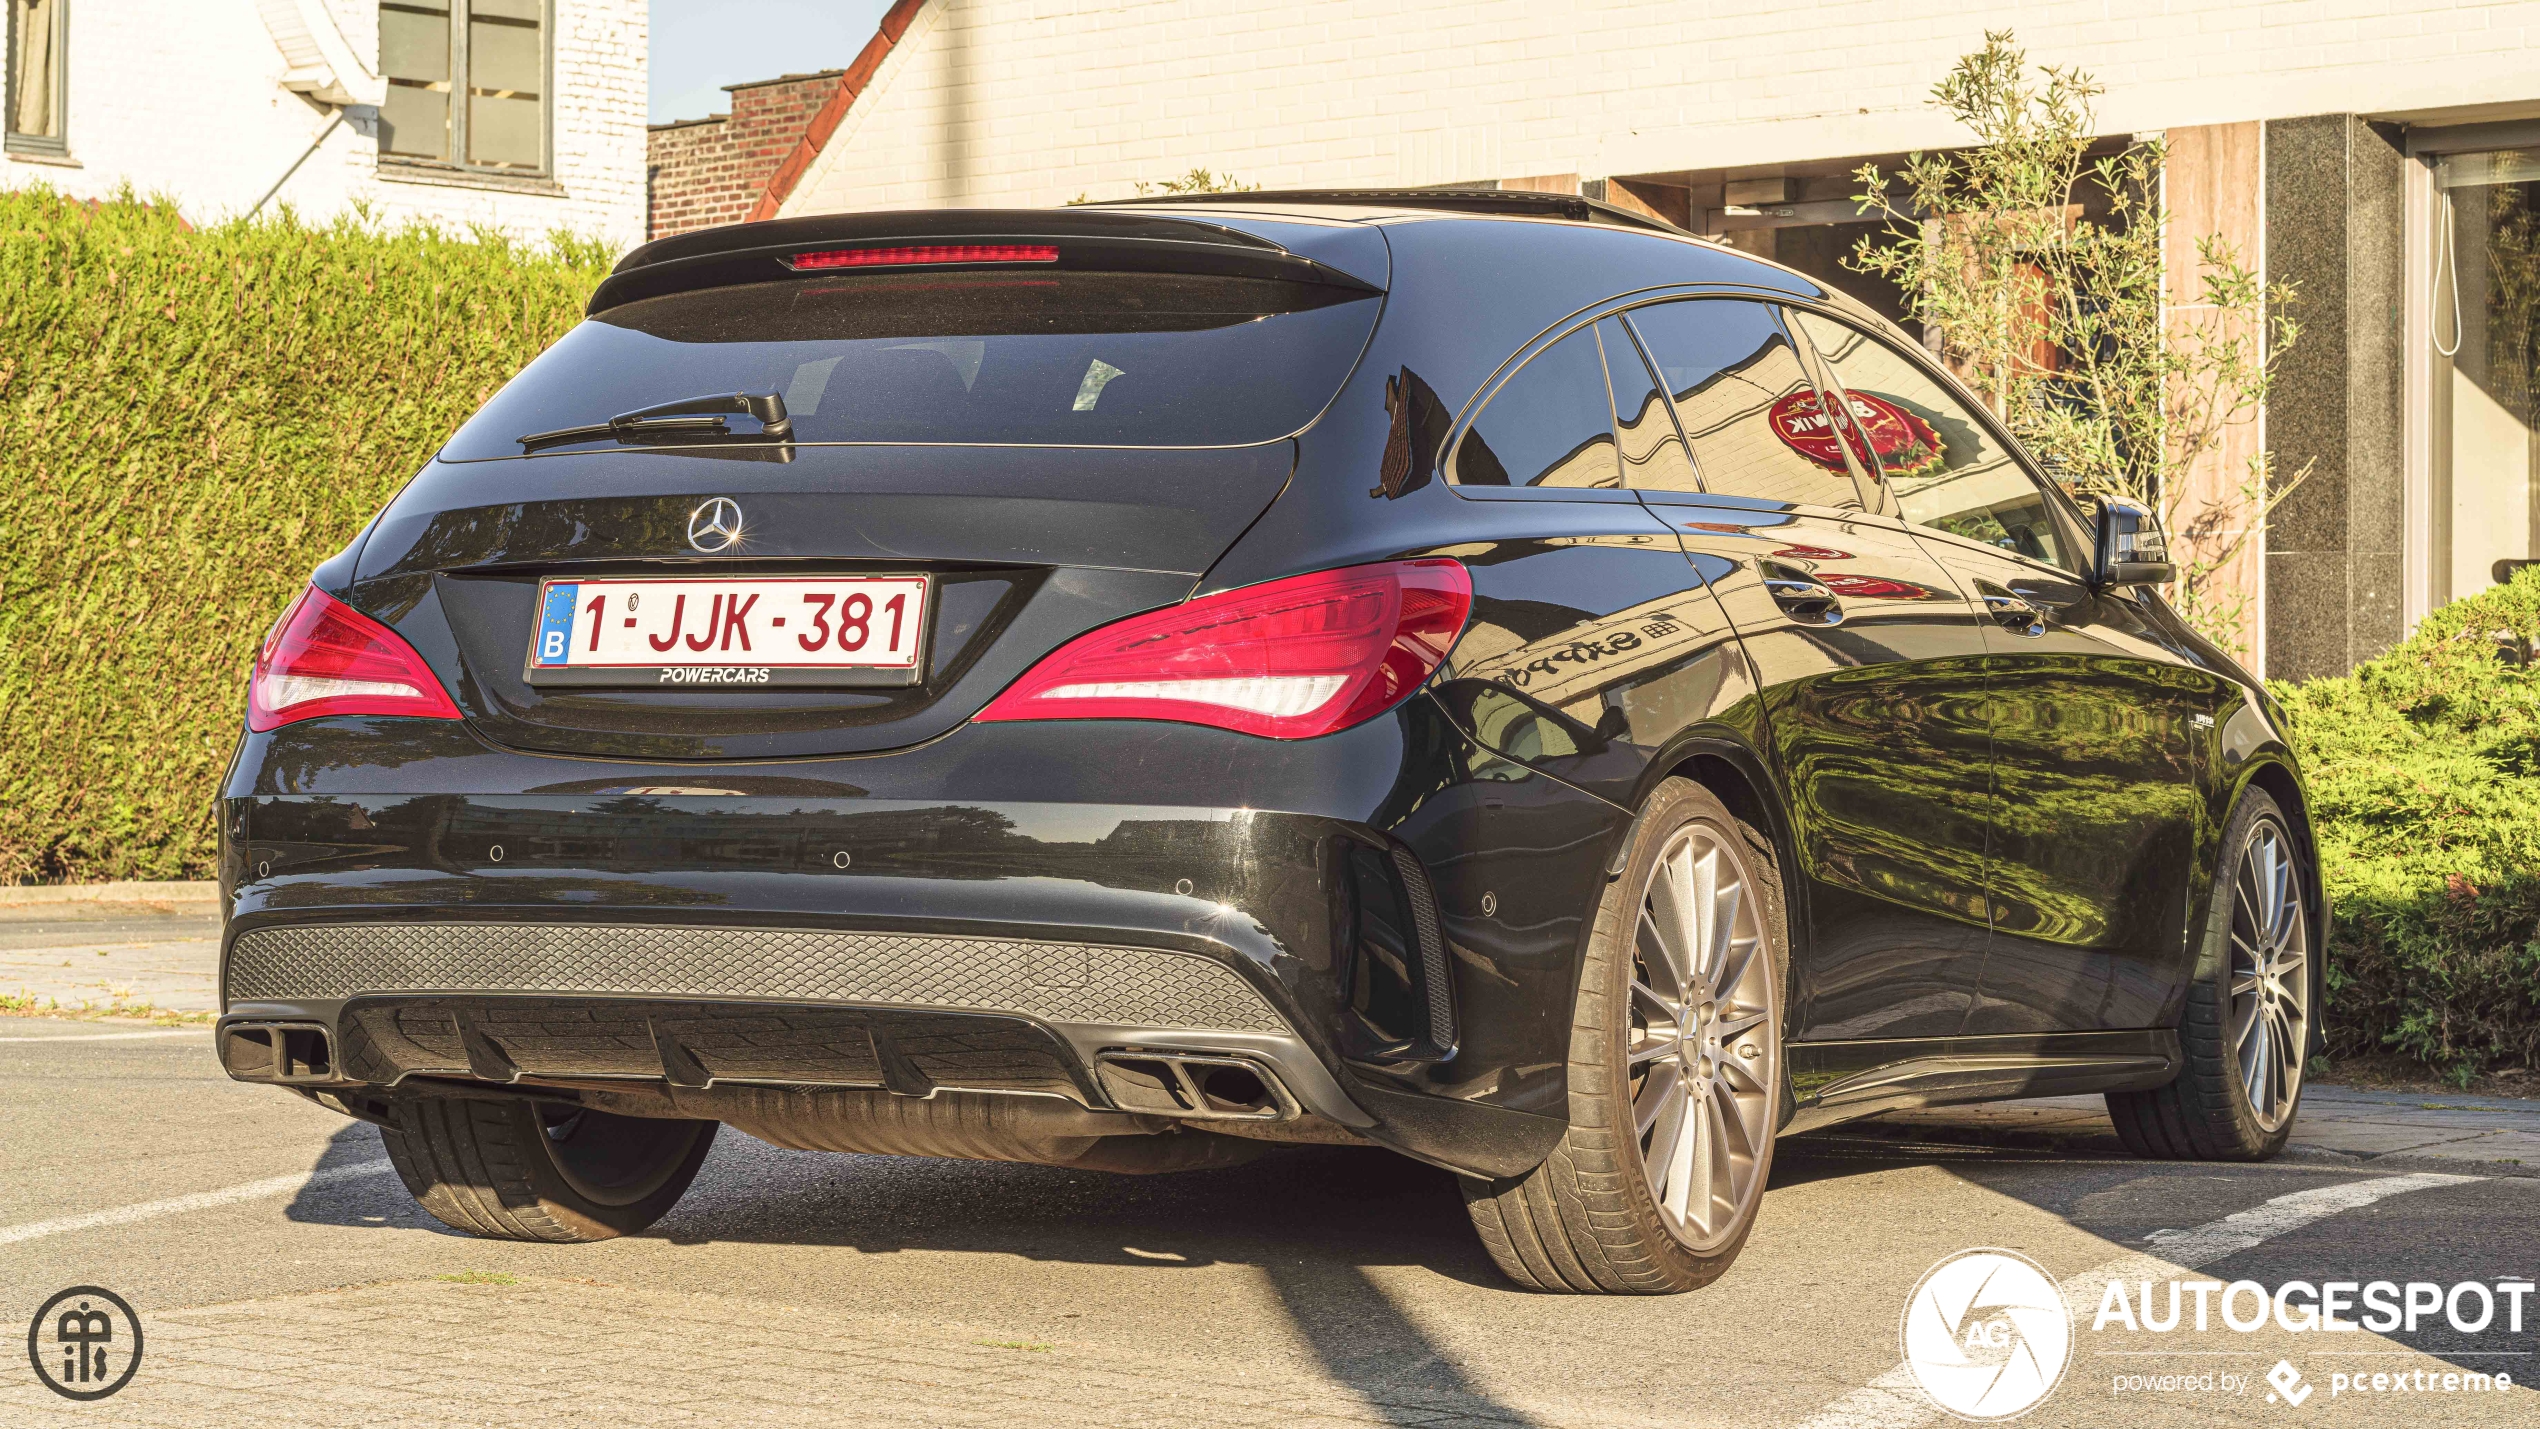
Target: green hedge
(189, 422)
(2424, 773)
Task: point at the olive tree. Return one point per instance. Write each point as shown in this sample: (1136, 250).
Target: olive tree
(2062, 323)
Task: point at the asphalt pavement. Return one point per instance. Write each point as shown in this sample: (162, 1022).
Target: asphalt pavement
(283, 1275)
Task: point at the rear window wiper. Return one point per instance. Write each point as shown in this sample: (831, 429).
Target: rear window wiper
(687, 418)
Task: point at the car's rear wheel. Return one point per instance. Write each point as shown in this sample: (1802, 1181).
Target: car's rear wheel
(1675, 1070)
(514, 1169)
(2250, 1012)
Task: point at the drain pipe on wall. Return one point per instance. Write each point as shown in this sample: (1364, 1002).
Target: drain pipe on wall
(365, 119)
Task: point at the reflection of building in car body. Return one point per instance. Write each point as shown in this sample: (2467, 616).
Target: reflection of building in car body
(1628, 676)
(1588, 658)
(1727, 414)
(1974, 490)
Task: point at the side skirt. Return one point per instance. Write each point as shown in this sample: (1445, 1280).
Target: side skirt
(1840, 1081)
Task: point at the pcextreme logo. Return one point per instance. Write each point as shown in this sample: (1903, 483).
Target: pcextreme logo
(1987, 1335)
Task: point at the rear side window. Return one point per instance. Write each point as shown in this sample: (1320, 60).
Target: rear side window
(1552, 424)
(1745, 402)
(1936, 465)
(1045, 358)
(1653, 455)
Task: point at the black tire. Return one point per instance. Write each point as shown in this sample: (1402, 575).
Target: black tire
(1590, 1219)
(2209, 1112)
(514, 1169)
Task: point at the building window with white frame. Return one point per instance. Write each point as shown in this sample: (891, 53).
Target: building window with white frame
(2486, 392)
(467, 85)
(37, 70)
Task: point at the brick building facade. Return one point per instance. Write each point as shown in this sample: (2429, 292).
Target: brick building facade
(703, 172)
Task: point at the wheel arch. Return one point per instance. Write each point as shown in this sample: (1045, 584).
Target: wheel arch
(2272, 770)
(1734, 771)
(1740, 778)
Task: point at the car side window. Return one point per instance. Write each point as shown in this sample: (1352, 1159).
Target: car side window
(1745, 402)
(1654, 456)
(1551, 424)
(1935, 462)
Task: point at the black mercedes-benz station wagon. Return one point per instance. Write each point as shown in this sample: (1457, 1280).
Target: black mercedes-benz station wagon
(1138, 687)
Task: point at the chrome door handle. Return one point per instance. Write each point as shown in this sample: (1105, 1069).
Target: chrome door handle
(1802, 597)
(2014, 614)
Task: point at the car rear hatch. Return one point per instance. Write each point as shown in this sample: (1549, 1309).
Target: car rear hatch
(1021, 447)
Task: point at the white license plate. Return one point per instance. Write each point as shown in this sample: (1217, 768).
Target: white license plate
(776, 630)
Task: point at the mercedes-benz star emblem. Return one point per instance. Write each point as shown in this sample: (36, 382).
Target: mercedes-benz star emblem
(715, 525)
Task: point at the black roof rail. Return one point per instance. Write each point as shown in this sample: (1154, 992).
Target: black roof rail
(1519, 203)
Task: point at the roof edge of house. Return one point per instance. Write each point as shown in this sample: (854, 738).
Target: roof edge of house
(783, 79)
(833, 111)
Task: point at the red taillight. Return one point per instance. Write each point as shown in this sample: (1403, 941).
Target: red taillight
(1290, 659)
(326, 658)
(926, 253)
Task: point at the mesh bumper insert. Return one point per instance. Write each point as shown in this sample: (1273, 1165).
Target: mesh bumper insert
(1057, 982)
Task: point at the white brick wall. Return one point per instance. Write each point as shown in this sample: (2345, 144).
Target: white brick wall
(1034, 101)
(179, 98)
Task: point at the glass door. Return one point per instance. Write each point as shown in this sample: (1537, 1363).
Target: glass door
(2486, 336)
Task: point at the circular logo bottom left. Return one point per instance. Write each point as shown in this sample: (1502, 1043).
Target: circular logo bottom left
(85, 1343)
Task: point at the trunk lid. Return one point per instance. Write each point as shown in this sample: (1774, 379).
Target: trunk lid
(1026, 547)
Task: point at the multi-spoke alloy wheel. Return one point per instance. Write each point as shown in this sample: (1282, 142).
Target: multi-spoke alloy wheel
(2270, 976)
(1675, 1069)
(2251, 1010)
(1702, 1075)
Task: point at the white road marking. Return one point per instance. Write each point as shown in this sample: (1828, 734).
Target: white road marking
(113, 1036)
(1895, 1401)
(200, 1201)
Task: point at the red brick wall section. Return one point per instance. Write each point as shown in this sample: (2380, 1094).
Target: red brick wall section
(790, 171)
(705, 172)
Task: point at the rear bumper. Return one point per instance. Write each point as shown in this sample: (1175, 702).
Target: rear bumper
(992, 912)
(694, 1005)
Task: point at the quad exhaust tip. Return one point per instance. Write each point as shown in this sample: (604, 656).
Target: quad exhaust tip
(286, 1052)
(1195, 1086)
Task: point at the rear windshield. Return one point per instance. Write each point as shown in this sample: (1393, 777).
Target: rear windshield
(1048, 358)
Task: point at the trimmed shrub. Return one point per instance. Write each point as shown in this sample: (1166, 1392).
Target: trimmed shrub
(189, 422)
(2424, 773)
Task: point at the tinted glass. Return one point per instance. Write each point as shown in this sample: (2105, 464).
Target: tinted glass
(1934, 462)
(1653, 455)
(1552, 424)
(1061, 359)
(1746, 402)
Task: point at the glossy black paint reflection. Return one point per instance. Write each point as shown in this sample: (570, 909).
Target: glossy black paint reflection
(1877, 727)
(1592, 643)
(2096, 798)
(1004, 830)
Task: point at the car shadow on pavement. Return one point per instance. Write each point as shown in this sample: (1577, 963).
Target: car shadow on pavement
(1313, 1220)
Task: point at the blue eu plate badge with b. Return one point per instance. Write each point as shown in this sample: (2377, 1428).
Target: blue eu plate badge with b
(555, 625)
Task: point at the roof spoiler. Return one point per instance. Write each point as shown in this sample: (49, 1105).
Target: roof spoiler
(1083, 240)
(1517, 203)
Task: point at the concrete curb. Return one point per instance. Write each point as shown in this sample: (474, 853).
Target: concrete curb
(203, 892)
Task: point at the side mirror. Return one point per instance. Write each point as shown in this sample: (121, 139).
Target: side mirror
(2133, 549)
